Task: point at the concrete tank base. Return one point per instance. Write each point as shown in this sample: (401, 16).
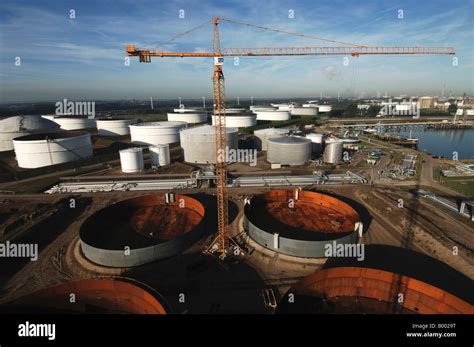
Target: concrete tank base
(141, 230)
(300, 223)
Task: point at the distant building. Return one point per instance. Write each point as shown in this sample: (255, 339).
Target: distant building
(426, 102)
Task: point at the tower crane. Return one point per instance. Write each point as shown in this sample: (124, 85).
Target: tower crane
(223, 243)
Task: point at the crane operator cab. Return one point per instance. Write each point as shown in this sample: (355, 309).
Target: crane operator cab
(218, 61)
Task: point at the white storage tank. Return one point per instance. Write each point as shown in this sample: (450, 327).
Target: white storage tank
(273, 115)
(160, 155)
(188, 117)
(187, 110)
(254, 108)
(199, 143)
(238, 121)
(317, 140)
(49, 116)
(324, 108)
(333, 151)
(75, 122)
(289, 150)
(261, 136)
(304, 111)
(114, 127)
(234, 110)
(17, 126)
(40, 150)
(283, 107)
(155, 133)
(131, 160)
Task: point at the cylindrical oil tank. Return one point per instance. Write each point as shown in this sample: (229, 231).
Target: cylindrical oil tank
(152, 227)
(75, 122)
(254, 108)
(333, 151)
(234, 110)
(187, 110)
(17, 126)
(49, 116)
(154, 133)
(283, 107)
(114, 127)
(114, 295)
(369, 285)
(199, 144)
(188, 117)
(238, 120)
(261, 136)
(304, 111)
(324, 108)
(40, 150)
(304, 228)
(273, 115)
(317, 140)
(160, 155)
(289, 150)
(131, 160)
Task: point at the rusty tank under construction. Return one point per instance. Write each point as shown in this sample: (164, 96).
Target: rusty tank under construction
(141, 230)
(390, 280)
(93, 296)
(300, 223)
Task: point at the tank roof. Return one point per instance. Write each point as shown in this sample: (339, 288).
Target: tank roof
(271, 131)
(290, 140)
(163, 124)
(51, 136)
(205, 130)
(26, 123)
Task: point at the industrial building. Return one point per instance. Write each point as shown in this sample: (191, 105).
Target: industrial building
(426, 102)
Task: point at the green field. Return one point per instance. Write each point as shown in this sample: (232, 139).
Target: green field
(464, 186)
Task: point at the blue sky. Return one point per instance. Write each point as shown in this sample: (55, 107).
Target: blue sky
(83, 58)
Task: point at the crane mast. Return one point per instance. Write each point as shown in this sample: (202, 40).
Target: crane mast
(223, 243)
